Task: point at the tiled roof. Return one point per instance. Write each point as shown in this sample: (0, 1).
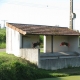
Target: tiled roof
(41, 29)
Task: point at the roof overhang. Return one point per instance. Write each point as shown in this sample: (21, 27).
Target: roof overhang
(17, 29)
(27, 29)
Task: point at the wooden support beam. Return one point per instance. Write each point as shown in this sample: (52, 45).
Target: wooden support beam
(51, 43)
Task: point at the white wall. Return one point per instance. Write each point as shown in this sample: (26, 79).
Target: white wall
(30, 54)
(29, 39)
(48, 43)
(15, 42)
(73, 40)
(8, 40)
(56, 43)
(12, 41)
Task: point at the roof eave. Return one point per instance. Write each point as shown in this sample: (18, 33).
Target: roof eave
(55, 34)
(17, 29)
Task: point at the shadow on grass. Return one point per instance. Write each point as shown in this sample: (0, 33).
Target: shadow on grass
(57, 74)
(50, 79)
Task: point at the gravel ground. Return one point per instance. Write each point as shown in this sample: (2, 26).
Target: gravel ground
(2, 50)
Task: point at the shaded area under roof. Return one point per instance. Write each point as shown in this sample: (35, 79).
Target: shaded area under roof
(41, 29)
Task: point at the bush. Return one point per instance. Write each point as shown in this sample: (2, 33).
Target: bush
(41, 38)
(2, 38)
(15, 71)
(2, 35)
(41, 41)
(13, 68)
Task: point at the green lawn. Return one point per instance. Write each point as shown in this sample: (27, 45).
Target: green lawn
(63, 78)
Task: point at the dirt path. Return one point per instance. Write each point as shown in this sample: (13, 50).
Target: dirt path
(2, 50)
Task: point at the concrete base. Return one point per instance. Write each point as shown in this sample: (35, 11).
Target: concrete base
(59, 60)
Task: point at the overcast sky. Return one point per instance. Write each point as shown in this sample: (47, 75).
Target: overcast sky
(41, 12)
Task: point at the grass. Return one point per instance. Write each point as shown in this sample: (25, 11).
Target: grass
(2, 45)
(63, 78)
(41, 50)
(15, 68)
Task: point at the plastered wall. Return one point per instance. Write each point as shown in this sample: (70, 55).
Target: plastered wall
(56, 43)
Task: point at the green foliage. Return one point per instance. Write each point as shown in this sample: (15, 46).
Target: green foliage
(2, 35)
(13, 68)
(2, 38)
(41, 38)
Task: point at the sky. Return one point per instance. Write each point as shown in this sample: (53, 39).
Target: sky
(39, 12)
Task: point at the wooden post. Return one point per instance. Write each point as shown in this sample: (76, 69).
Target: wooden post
(52, 44)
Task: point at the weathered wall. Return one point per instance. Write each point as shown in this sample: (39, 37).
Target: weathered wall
(48, 43)
(8, 40)
(59, 63)
(56, 43)
(31, 55)
(29, 39)
(73, 40)
(15, 41)
(12, 41)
